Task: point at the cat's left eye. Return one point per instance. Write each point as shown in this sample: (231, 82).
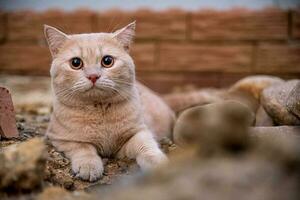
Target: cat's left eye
(107, 61)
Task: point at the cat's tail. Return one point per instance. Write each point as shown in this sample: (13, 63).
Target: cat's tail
(251, 85)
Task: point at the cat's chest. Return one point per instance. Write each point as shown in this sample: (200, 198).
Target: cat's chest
(102, 121)
(109, 135)
(107, 126)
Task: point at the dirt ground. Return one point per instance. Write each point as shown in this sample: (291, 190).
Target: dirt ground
(58, 171)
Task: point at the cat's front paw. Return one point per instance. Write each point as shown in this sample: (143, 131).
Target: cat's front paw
(151, 160)
(88, 168)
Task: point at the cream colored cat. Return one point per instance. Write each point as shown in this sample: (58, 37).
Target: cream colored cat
(99, 108)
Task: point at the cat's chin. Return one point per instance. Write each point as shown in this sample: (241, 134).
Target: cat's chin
(96, 92)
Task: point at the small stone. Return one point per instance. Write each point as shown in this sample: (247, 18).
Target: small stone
(8, 126)
(293, 100)
(274, 100)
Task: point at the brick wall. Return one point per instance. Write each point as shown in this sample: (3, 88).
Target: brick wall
(173, 48)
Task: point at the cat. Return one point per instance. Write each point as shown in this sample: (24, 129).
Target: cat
(99, 109)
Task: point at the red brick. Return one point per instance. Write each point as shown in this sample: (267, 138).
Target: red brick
(143, 55)
(296, 24)
(112, 20)
(28, 26)
(165, 82)
(150, 24)
(278, 58)
(79, 21)
(2, 25)
(196, 57)
(18, 59)
(24, 26)
(34, 59)
(227, 79)
(239, 24)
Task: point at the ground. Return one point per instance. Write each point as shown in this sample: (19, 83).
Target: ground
(58, 170)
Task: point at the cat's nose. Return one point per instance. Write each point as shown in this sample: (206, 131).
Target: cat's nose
(93, 78)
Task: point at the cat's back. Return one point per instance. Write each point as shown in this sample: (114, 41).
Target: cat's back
(157, 114)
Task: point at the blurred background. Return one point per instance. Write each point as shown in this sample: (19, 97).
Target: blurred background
(180, 45)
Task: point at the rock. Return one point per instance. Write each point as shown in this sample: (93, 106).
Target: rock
(57, 193)
(222, 178)
(242, 97)
(8, 126)
(278, 144)
(274, 100)
(293, 100)
(181, 101)
(276, 130)
(262, 118)
(254, 85)
(22, 166)
(215, 126)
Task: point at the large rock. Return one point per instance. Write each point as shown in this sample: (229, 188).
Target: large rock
(293, 100)
(22, 166)
(253, 174)
(254, 85)
(181, 101)
(279, 144)
(276, 131)
(215, 179)
(274, 100)
(262, 118)
(214, 126)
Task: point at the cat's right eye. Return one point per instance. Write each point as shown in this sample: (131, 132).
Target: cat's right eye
(76, 63)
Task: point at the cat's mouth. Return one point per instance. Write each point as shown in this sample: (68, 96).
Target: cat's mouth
(96, 87)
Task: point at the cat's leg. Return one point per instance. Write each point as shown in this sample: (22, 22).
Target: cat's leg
(85, 161)
(144, 149)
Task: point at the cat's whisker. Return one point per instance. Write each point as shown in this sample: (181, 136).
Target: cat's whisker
(116, 90)
(122, 82)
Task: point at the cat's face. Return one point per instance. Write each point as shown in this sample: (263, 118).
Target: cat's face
(91, 67)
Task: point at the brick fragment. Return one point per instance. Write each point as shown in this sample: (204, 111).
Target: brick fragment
(8, 126)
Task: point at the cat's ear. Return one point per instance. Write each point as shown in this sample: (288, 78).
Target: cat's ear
(126, 35)
(55, 39)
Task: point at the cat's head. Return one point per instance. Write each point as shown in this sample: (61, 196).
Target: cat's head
(91, 67)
